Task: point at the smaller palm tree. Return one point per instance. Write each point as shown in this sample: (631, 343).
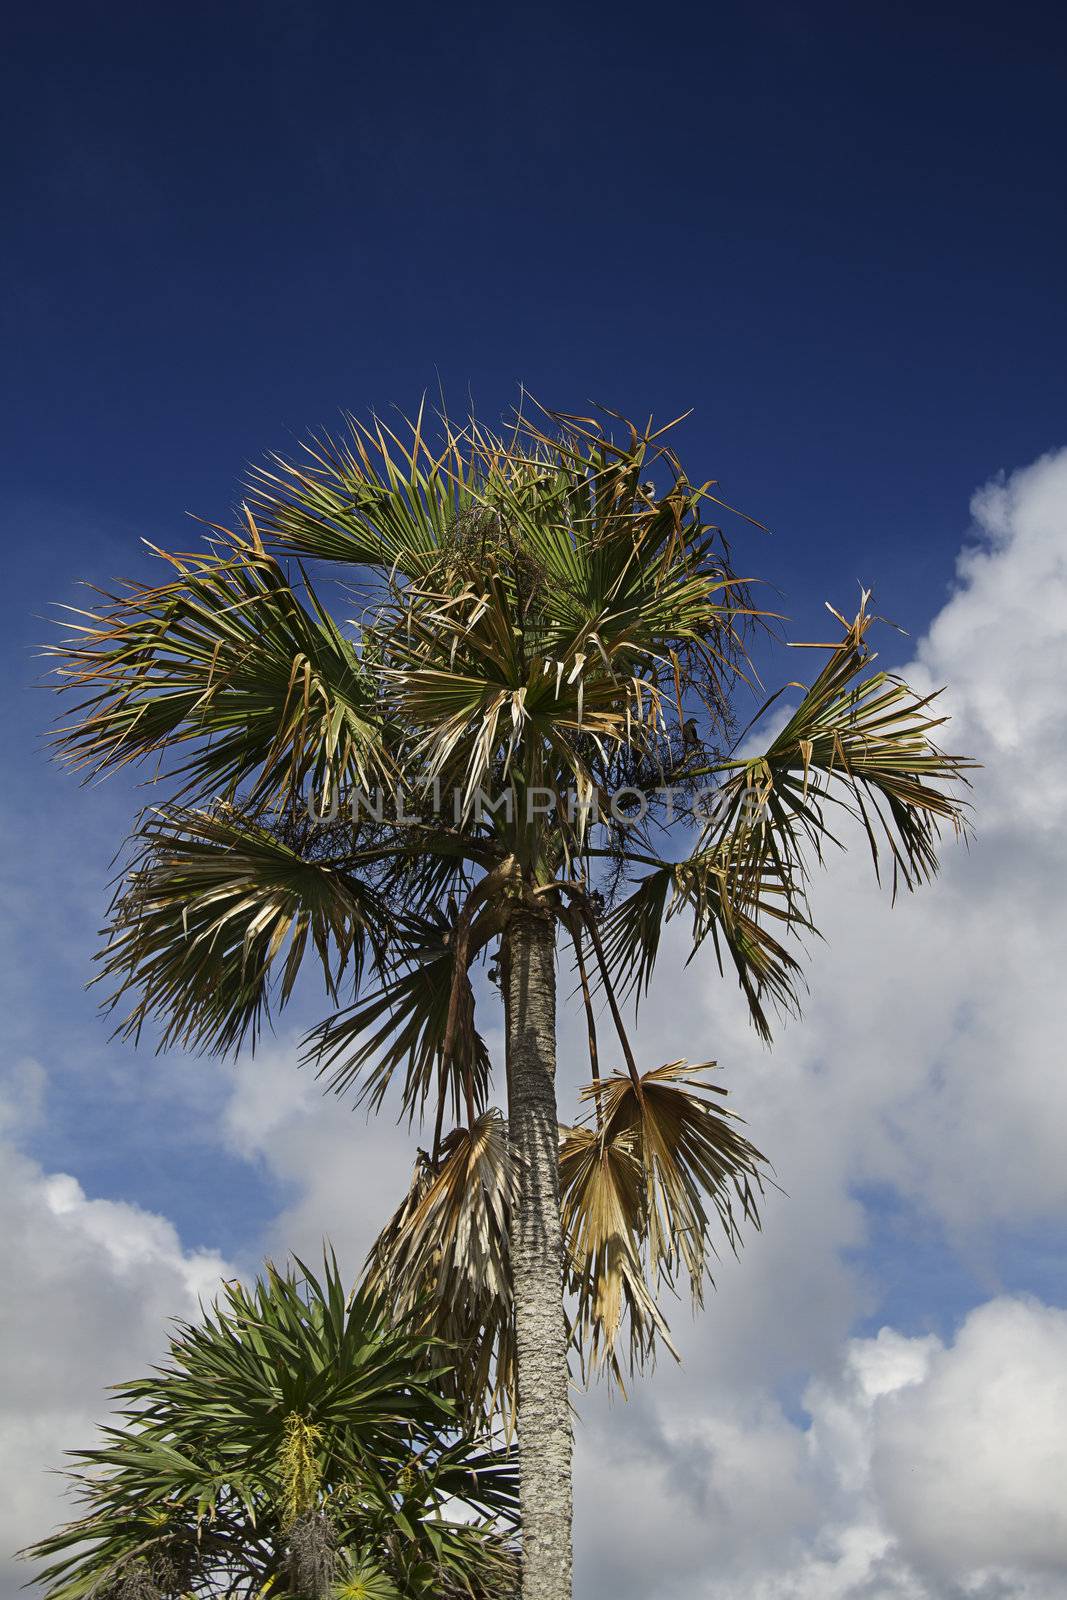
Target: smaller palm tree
(297, 1443)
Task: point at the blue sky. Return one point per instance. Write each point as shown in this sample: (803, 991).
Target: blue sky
(831, 230)
(836, 233)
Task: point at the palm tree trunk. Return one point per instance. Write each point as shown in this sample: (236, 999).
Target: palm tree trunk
(543, 1413)
(311, 1556)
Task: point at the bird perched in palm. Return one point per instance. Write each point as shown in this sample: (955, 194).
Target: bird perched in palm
(542, 679)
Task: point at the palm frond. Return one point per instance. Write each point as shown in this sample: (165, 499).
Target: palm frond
(731, 903)
(446, 1250)
(861, 743)
(227, 670)
(638, 1194)
(371, 498)
(216, 914)
(289, 1409)
(402, 1024)
(602, 1199)
(360, 1577)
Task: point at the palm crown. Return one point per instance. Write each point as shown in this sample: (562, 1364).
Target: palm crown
(549, 641)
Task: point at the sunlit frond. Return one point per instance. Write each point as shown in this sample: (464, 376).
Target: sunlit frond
(228, 673)
(861, 743)
(603, 1201)
(639, 1191)
(372, 498)
(691, 1151)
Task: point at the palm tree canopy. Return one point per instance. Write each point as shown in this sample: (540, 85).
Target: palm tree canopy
(544, 621)
(287, 1408)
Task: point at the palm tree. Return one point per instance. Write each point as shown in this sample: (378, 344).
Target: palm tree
(542, 680)
(294, 1443)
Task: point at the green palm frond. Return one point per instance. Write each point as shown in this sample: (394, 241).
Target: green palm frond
(542, 592)
(217, 912)
(731, 902)
(402, 1025)
(288, 1405)
(860, 743)
(372, 499)
(227, 671)
(480, 703)
(569, 637)
(864, 747)
(361, 1578)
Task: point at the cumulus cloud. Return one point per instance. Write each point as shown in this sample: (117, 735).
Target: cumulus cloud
(919, 1470)
(928, 1068)
(969, 1458)
(345, 1172)
(92, 1285)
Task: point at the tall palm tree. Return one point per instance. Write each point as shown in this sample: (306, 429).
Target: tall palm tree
(549, 646)
(294, 1443)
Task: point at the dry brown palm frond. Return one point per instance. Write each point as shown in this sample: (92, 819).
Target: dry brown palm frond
(637, 1196)
(691, 1153)
(602, 1195)
(446, 1247)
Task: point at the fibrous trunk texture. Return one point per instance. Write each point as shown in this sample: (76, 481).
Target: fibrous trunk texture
(311, 1557)
(543, 1413)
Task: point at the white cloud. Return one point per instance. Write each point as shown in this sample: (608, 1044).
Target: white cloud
(929, 1061)
(92, 1286)
(347, 1172)
(969, 1462)
(925, 1471)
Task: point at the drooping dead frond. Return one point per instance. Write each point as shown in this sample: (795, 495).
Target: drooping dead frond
(446, 1247)
(602, 1198)
(637, 1192)
(691, 1151)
